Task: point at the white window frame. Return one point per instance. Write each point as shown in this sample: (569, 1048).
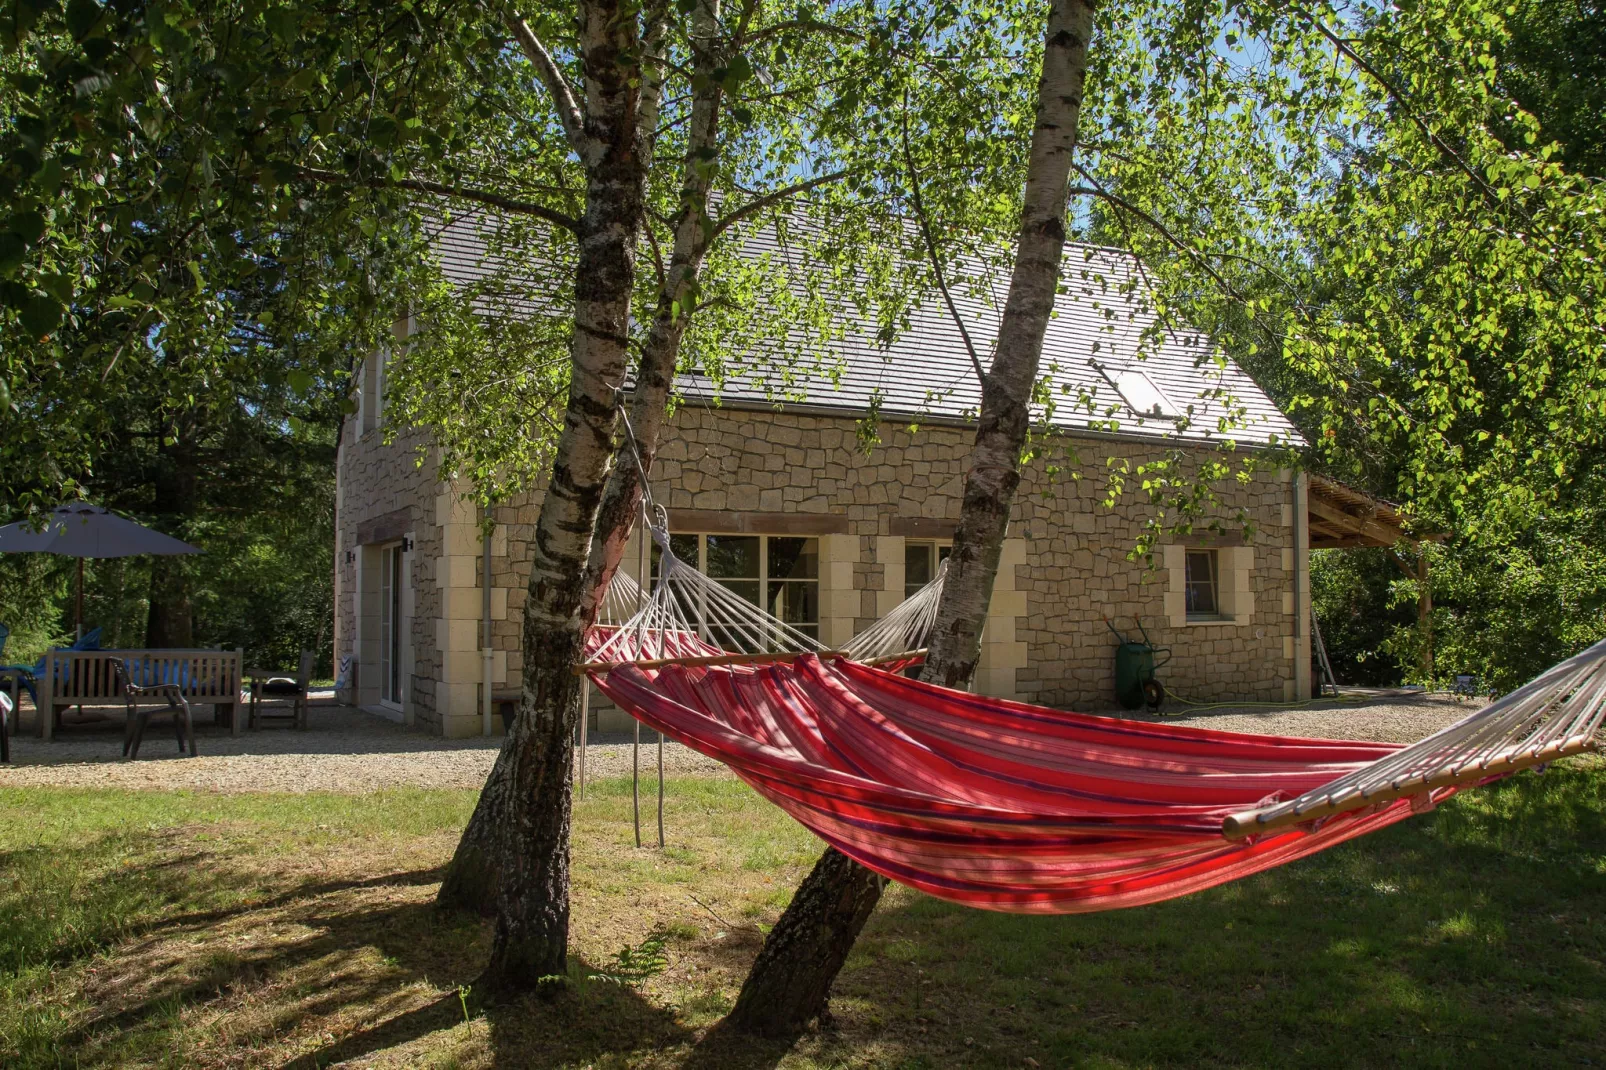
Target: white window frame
(763, 567)
(1235, 596)
(1209, 554)
(937, 546)
(1131, 384)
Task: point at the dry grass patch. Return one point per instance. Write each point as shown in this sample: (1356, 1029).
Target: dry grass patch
(142, 929)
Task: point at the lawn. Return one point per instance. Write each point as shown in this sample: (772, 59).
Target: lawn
(152, 929)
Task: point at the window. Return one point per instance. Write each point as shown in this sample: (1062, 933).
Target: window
(371, 389)
(1210, 586)
(1140, 393)
(784, 570)
(1143, 396)
(792, 581)
(1204, 599)
(920, 561)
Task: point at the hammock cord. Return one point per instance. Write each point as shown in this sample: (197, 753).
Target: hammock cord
(1556, 714)
(684, 613)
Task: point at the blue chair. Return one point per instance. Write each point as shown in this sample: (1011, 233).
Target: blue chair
(29, 675)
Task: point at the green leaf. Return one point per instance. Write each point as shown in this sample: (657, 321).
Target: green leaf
(40, 315)
(29, 226)
(83, 17)
(13, 250)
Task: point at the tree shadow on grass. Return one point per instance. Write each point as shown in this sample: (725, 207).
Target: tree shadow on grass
(365, 960)
(324, 955)
(723, 1048)
(1469, 936)
(579, 1023)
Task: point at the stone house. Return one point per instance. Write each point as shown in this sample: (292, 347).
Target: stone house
(782, 503)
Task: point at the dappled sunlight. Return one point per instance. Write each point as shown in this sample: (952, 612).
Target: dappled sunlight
(1422, 931)
(257, 931)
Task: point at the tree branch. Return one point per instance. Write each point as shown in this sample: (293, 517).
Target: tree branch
(511, 205)
(931, 248)
(563, 98)
(1097, 190)
(802, 25)
(1344, 47)
(753, 207)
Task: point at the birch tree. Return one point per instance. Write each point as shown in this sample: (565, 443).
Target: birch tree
(791, 980)
(743, 138)
(712, 40)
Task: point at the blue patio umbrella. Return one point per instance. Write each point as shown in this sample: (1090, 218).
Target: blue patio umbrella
(82, 530)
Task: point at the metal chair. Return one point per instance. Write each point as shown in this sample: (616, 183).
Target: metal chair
(134, 729)
(271, 691)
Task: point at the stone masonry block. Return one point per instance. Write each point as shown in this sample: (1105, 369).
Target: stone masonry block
(456, 571)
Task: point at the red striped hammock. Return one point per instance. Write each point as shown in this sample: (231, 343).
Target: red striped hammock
(999, 804)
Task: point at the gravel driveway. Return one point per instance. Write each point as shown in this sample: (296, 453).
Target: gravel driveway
(347, 750)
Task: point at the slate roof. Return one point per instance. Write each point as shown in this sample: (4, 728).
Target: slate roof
(926, 375)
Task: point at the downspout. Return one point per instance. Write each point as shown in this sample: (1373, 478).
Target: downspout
(1299, 613)
(485, 638)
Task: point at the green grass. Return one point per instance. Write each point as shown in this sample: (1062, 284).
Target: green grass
(156, 929)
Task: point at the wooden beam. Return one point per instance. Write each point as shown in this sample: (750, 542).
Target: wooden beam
(1401, 564)
(921, 527)
(384, 528)
(1351, 524)
(1321, 527)
(724, 522)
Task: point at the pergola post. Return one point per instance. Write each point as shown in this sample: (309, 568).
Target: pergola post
(1424, 612)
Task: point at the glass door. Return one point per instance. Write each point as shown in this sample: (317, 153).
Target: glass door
(390, 625)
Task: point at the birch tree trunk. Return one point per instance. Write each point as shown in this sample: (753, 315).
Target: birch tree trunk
(517, 842)
(655, 374)
(791, 980)
(475, 872)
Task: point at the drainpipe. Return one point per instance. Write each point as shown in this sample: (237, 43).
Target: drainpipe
(485, 639)
(1299, 611)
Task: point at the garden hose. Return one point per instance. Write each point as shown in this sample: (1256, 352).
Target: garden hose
(1202, 706)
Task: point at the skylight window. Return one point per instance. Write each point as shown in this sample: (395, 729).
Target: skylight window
(1142, 396)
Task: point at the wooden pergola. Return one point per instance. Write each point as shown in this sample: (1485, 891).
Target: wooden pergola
(1341, 517)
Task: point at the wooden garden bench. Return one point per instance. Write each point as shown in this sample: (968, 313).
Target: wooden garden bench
(89, 678)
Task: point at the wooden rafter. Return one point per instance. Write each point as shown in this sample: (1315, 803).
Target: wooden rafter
(1342, 523)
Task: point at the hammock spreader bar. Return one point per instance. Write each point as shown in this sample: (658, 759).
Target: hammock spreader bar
(1555, 715)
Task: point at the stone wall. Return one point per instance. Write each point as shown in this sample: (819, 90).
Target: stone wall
(383, 495)
(1065, 569)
